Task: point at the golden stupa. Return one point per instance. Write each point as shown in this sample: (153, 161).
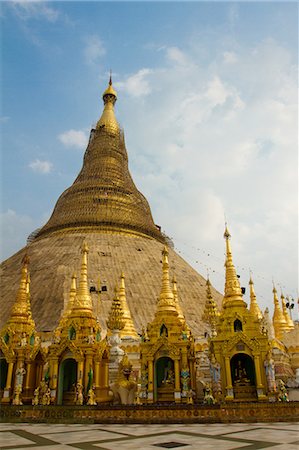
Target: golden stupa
(104, 208)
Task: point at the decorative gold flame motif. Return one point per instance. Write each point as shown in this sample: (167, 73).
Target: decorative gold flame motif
(103, 196)
(116, 315)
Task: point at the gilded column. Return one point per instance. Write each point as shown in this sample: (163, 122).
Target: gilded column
(88, 366)
(55, 374)
(150, 392)
(28, 375)
(97, 373)
(177, 381)
(80, 371)
(229, 386)
(259, 385)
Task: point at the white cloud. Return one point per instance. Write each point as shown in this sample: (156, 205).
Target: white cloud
(28, 9)
(176, 55)
(74, 138)
(225, 143)
(41, 166)
(136, 85)
(229, 57)
(94, 49)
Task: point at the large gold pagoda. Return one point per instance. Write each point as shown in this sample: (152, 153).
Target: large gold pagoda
(104, 207)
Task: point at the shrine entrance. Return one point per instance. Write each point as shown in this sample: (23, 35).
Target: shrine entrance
(67, 381)
(3, 374)
(164, 380)
(243, 377)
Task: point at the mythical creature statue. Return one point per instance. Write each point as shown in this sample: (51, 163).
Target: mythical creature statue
(208, 396)
(91, 397)
(282, 392)
(124, 388)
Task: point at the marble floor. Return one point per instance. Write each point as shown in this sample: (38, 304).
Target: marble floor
(278, 436)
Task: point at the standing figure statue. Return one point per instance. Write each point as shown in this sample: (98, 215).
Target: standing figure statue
(79, 394)
(35, 400)
(91, 397)
(20, 372)
(270, 372)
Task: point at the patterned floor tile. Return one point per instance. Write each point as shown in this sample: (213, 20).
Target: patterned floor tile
(9, 438)
(67, 437)
(151, 442)
(263, 434)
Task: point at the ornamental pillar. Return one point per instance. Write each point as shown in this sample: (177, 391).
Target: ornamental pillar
(259, 385)
(80, 371)
(88, 366)
(229, 386)
(150, 392)
(97, 374)
(177, 381)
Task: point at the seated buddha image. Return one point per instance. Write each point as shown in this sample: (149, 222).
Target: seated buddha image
(241, 377)
(168, 375)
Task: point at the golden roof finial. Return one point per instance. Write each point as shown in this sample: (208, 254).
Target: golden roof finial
(254, 307)
(129, 328)
(211, 313)
(232, 290)
(279, 321)
(108, 120)
(115, 318)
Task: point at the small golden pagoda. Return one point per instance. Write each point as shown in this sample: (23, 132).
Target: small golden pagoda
(254, 307)
(211, 312)
(240, 347)
(21, 358)
(78, 357)
(289, 322)
(167, 350)
(279, 321)
(128, 329)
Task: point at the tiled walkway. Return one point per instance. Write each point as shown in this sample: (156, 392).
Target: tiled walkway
(278, 436)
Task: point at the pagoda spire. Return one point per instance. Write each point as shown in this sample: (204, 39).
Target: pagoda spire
(129, 328)
(254, 307)
(108, 120)
(83, 300)
(116, 315)
(176, 299)
(211, 313)
(232, 289)
(289, 322)
(279, 321)
(166, 302)
(21, 310)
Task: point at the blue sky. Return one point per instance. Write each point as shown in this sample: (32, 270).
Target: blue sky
(207, 95)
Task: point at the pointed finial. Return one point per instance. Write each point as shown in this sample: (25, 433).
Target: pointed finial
(232, 289)
(226, 234)
(110, 78)
(85, 248)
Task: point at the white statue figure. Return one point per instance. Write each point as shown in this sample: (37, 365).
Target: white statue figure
(270, 372)
(23, 341)
(20, 372)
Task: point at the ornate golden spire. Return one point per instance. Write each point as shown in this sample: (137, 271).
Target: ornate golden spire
(254, 307)
(103, 198)
(176, 299)
(116, 315)
(166, 302)
(108, 120)
(289, 323)
(83, 301)
(279, 321)
(211, 313)
(232, 290)
(72, 295)
(21, 310)
(129, 328)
